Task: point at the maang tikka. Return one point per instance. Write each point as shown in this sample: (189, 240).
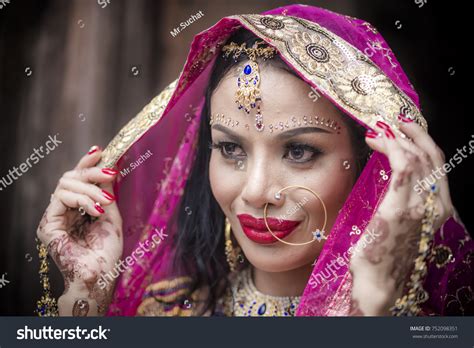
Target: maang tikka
(248, 94)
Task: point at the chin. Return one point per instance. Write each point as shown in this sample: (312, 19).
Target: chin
(276, 261)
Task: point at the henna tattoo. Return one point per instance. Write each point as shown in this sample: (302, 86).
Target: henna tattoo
(374, 252)
(80, 308)
(404, 253)
(402, 178)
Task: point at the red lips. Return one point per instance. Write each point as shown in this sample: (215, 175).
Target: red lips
(256, 230)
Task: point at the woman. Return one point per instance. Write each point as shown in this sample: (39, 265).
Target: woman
(278, 176)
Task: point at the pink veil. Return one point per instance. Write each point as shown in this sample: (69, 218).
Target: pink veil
(149, 195)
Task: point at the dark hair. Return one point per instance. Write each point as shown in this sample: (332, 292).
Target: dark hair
(200, 235)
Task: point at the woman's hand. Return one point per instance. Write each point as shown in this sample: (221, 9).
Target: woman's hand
(84, 250)
(383, 267)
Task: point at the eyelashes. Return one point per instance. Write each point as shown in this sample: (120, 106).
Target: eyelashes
(301, 152)
(295, 152)
(227, 149)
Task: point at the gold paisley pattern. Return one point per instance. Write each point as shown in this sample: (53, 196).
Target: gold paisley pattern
(316, 53)
(339, 70)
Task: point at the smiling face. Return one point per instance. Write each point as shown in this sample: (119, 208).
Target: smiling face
(248, 167)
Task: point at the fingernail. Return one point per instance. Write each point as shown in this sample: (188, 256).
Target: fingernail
(109, 171)
(109, 196)
(371, 134)
(382, 125)
(389, 134)
(99, 208)
(93, 149)
(405, 119)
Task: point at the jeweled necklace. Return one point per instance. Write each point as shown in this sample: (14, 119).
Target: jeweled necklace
(247, 301)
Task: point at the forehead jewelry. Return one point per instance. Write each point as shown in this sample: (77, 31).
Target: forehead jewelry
(281, 126)
(248, 94)
(318, 234)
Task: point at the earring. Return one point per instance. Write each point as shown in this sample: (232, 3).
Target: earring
(233, 255)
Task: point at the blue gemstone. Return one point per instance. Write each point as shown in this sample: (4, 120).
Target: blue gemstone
(262, 309)
(247, 69)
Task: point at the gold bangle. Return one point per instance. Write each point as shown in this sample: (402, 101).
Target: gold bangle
(47, 305)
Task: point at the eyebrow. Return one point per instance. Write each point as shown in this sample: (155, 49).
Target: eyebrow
(303, 130)
(284, 135)
(229, 132)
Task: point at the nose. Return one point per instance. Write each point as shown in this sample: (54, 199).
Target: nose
(261, 185)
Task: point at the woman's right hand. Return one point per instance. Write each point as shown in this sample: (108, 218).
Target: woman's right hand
(84, 249)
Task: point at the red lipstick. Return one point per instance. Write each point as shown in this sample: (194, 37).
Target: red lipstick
(256, 230)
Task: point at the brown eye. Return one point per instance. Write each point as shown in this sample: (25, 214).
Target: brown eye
(229, 150)
(301, 153)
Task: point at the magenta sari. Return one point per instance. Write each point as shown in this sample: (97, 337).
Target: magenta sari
(344, 59)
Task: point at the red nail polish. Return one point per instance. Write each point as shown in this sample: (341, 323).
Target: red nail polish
(382, 125)
(371, 134)
(99, 208)
(109, 171)
(93, 149)
(389, 134)
(107, 195)
(405, 119)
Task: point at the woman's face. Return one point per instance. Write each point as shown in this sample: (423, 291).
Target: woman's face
(248, 167)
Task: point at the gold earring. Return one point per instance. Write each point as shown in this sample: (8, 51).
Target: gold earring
(232, 254)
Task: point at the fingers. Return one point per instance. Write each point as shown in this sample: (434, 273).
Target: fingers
(90, 159)
(77, 200)
(404, 160)
(411, 162)
(93, 175)
(424, 142)
(427, 144)
(104, 197)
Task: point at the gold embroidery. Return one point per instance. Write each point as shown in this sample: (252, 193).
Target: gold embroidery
(441, 255)
(167, 298)
(341, 72)
(136, 127)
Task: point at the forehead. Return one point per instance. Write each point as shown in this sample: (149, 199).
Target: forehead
(283, 96)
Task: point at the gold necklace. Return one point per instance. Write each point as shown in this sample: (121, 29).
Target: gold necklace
(246, 301)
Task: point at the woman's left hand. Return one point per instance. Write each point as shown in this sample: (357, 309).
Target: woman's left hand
(381, 269)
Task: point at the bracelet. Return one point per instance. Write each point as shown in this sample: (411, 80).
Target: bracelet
(46, 306)
(409, 304)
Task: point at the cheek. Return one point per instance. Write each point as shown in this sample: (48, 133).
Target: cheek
(333, 183)
(220, 175)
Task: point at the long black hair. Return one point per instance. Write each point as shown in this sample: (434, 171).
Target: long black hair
(199, 242)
